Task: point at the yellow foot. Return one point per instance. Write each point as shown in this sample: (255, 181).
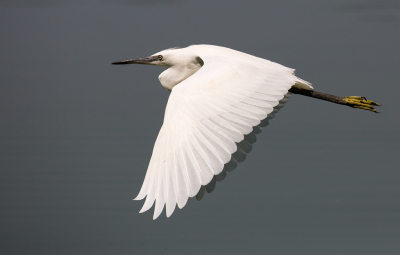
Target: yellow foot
(361, 102)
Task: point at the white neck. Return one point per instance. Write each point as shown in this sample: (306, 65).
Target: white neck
(180, 72)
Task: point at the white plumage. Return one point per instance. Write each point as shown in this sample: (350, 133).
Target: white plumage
(219, 98)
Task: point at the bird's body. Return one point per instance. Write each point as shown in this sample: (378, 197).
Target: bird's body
(220, 98)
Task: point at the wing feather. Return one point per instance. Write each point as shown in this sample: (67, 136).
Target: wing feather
(210, 124)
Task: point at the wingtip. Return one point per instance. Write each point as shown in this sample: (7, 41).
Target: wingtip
(170, 210)
(143, 210)
(157, 213)
(138, 198)
(141, 195)
(182, 202)
(147, 204)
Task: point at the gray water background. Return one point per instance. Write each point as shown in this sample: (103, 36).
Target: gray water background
(76, 133)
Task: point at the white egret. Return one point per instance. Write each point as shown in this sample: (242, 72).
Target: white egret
(220, 98)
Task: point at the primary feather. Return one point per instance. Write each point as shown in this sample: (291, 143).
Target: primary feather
(220, 98)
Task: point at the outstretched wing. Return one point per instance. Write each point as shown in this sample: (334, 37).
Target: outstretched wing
(243, 148)
(206, 116)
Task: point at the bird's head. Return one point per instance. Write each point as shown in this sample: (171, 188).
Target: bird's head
(180, 64)
(166, 58)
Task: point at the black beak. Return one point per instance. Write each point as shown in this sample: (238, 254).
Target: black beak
(144, 61)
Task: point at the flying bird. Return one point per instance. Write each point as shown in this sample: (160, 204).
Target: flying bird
(220, 99)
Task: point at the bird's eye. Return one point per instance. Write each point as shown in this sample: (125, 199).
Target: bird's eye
(160, 57)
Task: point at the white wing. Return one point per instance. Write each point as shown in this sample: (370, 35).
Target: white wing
(243, 148)
(206, 116)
